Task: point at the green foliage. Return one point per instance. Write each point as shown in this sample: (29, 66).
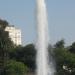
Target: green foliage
(64, 59)
(5, 45)
(26, 54)
(29, 56)
(60, 44)
(5, 41)
(15, 68)
(72, 48)
(3, 24)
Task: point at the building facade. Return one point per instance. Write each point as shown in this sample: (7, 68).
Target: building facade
(14, 34)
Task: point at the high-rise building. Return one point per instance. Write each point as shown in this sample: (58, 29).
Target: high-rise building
(14, 34)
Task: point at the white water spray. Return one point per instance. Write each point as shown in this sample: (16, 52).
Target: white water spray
(42, 40)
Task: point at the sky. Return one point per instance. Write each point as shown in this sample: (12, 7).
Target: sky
(61, 19)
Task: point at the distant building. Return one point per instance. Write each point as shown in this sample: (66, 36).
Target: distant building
(14, 34)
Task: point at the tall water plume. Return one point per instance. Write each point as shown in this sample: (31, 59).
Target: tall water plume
(42, 40)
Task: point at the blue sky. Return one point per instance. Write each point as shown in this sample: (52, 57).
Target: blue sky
(61, 18)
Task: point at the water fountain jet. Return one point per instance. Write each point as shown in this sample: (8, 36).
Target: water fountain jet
(42, 39)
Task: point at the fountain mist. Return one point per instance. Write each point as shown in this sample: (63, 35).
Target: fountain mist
(42, 39)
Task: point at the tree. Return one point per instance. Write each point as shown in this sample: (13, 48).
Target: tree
(16, 53)
(60, 44)
(3, 24)
(16, 68)
(26, 54)
(29, 57)
(5, 45)
(72, 48)
(65, 61)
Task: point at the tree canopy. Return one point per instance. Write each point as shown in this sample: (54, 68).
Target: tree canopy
(65, 61)
(3, 24)
(15, 68)
(5, 44)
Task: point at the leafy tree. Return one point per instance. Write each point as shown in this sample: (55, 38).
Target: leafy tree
(29, 56)
(5, 45)
(65, 61)
(60, 44)
(16, 53)
(3, 24)
(26, 54)
(72, 48)
(15, 68)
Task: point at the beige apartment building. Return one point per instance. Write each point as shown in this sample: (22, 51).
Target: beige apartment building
(14, 34)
